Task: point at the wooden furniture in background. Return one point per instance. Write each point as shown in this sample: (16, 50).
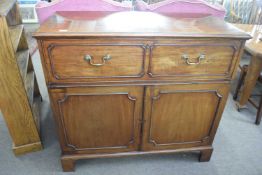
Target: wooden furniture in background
(258, 106)
(254, 48)
(19, 94)
(133, 83)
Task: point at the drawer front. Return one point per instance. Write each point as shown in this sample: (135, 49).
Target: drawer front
(196, 60)
(79, 60)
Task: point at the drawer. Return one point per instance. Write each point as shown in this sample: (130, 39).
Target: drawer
(72, 61)
(196, 60)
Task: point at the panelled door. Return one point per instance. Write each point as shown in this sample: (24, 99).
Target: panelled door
(98, 119)
(181, 116)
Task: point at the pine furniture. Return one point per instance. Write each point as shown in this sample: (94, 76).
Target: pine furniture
(240, 83)
(20, 98)
(132, 83)
(253, 72)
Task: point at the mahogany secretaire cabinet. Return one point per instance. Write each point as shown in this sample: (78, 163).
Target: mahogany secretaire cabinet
(133, 83)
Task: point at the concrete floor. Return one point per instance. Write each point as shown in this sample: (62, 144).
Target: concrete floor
(238, 150)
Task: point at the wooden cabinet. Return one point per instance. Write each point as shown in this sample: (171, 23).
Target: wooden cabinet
(142, 89)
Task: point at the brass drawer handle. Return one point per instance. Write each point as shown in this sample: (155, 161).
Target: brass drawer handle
(187, 59)
(90, 60)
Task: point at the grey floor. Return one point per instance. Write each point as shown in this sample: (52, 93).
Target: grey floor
(238, 150)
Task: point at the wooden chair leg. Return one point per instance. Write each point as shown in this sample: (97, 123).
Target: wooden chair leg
(240, 81)
(259, 112)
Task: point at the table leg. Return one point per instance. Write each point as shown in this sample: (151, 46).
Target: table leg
(253, 73)
(259, 112)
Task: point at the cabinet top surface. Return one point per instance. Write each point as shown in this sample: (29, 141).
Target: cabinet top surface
(79, 24)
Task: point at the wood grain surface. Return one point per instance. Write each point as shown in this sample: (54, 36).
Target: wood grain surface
(174, 105)
(14, 102)
(182, 116)
(18, 83)
(84, 24)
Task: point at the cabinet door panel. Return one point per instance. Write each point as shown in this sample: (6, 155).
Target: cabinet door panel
(99, 119)
(182, 115)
